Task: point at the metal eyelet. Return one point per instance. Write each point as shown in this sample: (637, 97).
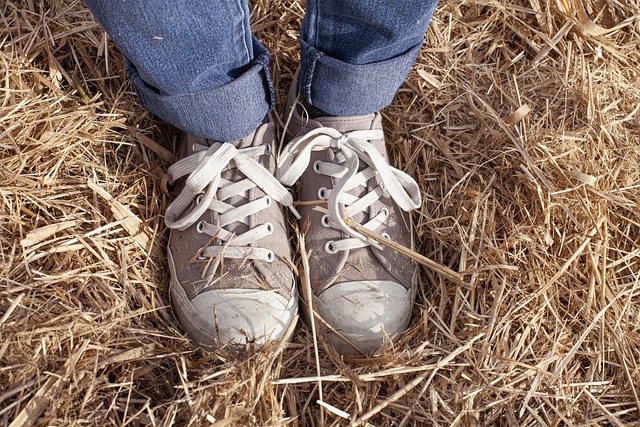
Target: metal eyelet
(329, 247)
(385, 235)
(269, 227)
(200, 227)
(269, 200)
(385, 211)
(198, 199)
(316, 166)
(322, 193)
(270, 256)
(267, 149)
(201, 257)
(325, 221)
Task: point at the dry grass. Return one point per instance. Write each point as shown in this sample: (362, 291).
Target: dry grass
(520, 121)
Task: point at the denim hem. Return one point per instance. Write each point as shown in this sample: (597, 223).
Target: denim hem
(343, 89)
(226, 113)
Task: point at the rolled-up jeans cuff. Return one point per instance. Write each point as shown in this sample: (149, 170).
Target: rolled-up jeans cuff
(343, 89)
(225, 113)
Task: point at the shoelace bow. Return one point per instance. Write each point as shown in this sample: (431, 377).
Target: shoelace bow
(204, 169)
(354, 148)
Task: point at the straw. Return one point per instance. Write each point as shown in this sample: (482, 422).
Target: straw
(520, 121)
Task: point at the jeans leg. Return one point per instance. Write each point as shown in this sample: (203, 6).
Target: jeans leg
(193, 63)
(356, 54)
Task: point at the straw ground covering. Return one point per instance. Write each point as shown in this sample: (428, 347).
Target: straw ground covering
(520, 122)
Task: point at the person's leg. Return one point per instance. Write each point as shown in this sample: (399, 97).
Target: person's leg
(356, 54)
(194, 64)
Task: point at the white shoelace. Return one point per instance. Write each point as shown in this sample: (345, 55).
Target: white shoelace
(204, 169)
(350, 149)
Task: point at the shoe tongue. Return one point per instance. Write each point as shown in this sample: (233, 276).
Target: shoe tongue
(247, 142)
(352, 123)
(355, 123)
(234, 175)
(236, 227)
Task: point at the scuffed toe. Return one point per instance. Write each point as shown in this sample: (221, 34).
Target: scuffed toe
(234, 316)
(365, 313)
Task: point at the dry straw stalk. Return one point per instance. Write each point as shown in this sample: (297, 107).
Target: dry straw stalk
(520, 121)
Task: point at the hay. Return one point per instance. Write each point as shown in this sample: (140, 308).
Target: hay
(521, 123)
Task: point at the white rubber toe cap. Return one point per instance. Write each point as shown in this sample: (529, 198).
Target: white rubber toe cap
(236, 316)
(366, 313)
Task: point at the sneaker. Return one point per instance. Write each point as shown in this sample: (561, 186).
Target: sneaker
(232, 279)
(363, 290)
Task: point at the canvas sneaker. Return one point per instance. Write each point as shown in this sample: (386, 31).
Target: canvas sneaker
(362, 289)
(232, 279)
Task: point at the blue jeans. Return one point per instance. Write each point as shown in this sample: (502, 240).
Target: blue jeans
(196, 65)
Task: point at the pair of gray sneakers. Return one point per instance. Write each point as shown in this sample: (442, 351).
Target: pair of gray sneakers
(233, 280)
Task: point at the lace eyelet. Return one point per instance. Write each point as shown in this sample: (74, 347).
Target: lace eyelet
(325, 221)
(329, 247)
(201, 257)
(385, 211)
(200, 227)
(198, 199)
(385, 235)
(316, 166)
(268, 200)
(270, 256)
(322, 193)
(267, 149)
(269, 227)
